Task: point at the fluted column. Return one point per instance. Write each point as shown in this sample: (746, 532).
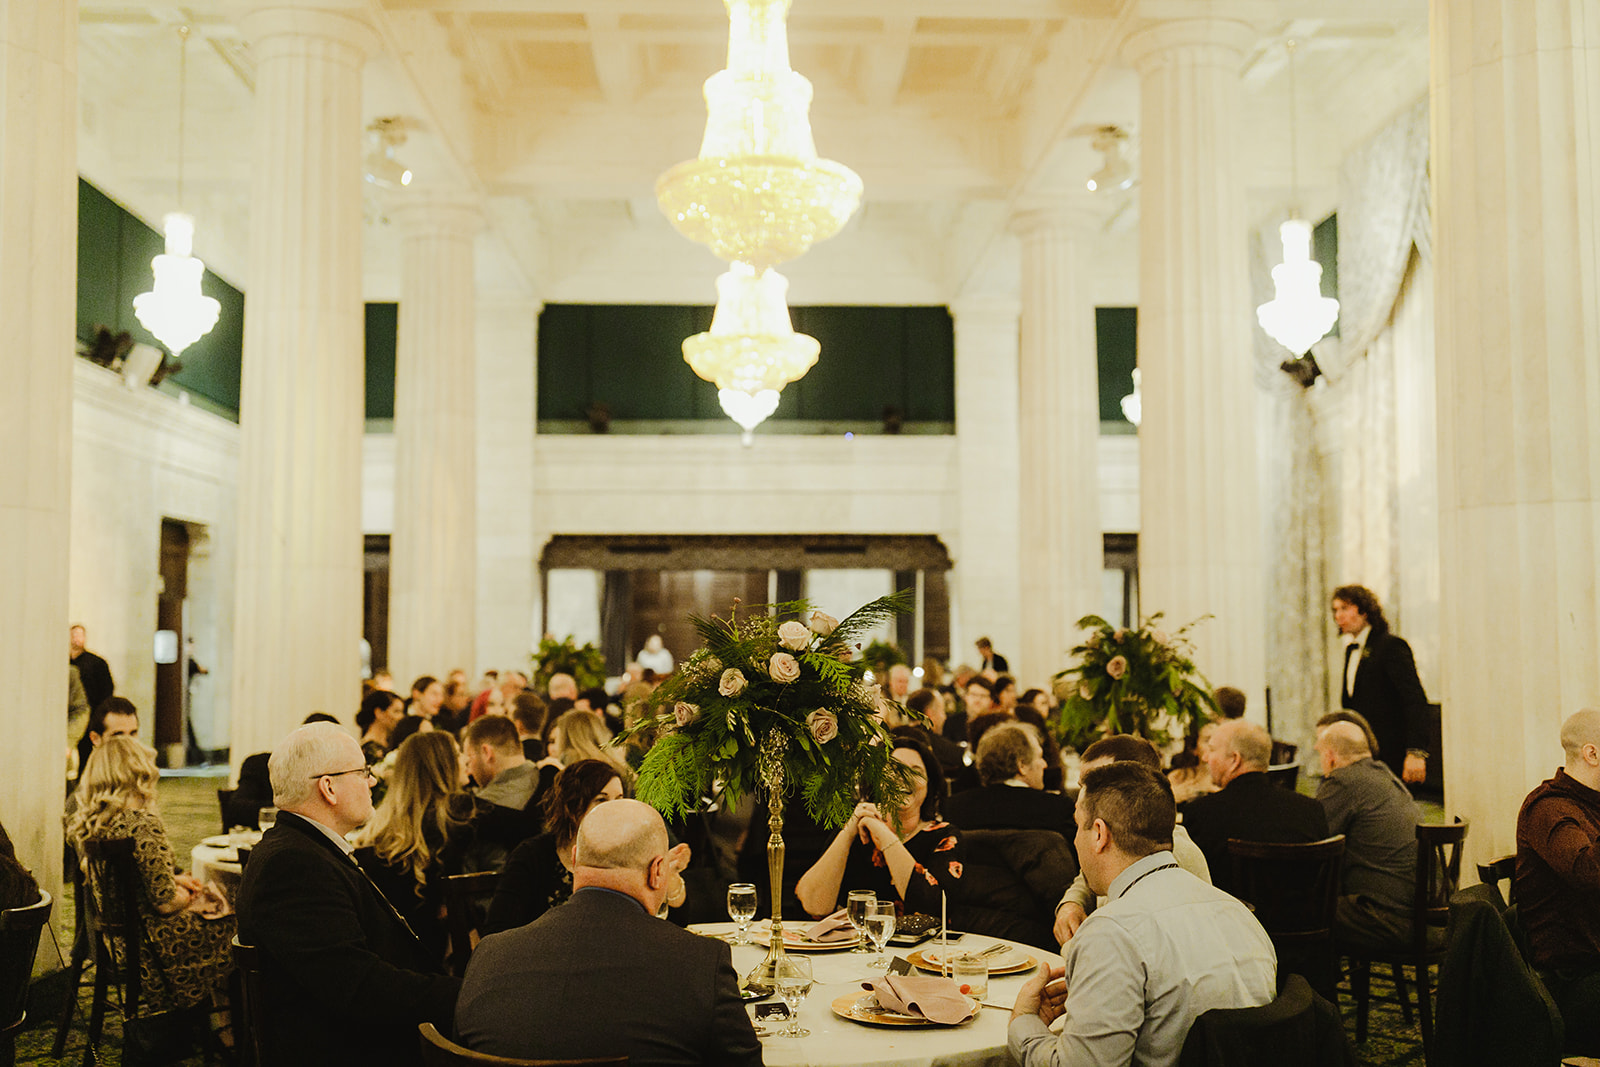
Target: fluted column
(298, 625)
(38, 275)
(1517, 299)
(433, 554)
(986, 576)
(1199, 539)
(1062, 550)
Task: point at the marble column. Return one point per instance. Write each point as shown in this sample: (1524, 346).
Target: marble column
(507, 406)
(1199, 540)
(1061, 550)
(433, 577)
(987, 578)
(38, 280)
(298, 626)
(1516, 114)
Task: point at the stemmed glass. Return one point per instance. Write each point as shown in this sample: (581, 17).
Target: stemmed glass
(880, 927)
(855, 909)
(741, 909)
(266, 818)
(793, 977)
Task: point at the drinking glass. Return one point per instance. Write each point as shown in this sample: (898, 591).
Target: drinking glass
(266, 818)
(855, 909)
(741, 909)
(793, 977)
(880, 927)
(971, 974)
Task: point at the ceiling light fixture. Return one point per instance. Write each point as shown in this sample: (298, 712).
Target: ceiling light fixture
(381, 167)
(1115, 173)
(1298, 315)
(1133, 403)
(175, 311)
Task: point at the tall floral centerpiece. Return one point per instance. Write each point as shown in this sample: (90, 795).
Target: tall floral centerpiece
(1134, 680)
(775, 709)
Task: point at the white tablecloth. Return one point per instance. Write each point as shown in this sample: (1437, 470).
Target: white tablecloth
(837, 1042)
(220, 863)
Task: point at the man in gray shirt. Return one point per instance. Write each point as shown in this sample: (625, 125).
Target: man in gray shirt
(495, 760)
(1164, 949)
(1375, 813)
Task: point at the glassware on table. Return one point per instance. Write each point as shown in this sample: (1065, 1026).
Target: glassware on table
(266, 818)
(880, 927)
(792, 975)
(855, 909)
(971, 974)
(741, 909)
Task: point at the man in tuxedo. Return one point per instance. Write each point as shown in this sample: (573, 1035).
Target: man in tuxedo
(992, 660)
(1380, 681)
(601, 975)
(1011, 766)
(343, 973)
(1247, 805)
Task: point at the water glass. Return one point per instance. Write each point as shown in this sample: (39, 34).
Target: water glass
(266, 818)
(971, 974)
(855, 909)
(741, 909)
(880, 927)
(792, 974)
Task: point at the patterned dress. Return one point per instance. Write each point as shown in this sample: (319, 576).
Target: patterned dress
(938, 851)
(185, 958)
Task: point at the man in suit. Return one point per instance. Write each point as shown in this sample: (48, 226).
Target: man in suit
(1247, 805)
(601, 975)
(1380, 681)
(992, 660)
(343, 973)
(1011, 766)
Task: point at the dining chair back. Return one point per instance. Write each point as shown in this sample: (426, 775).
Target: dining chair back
(19, 943)
(1284, 775)
(255, 1014)
(1294, 889)
(224, 798)
(82, 949)
(465, 899)
(1501, 869)
(440, 1051)
(1299, 1026)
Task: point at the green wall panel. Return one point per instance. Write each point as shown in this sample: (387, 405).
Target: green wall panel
(382, 331)
(1325, 250)
(1116, 332)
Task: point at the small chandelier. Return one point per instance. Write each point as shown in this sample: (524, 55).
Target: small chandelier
(1133, 403)
(1298, 315)
(757, 196)
(1115, 174)
(175, 311)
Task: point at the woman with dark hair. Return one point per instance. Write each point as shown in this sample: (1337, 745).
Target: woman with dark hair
(17, 886)
(427, 697)
(538, 874)
(910, 857)
(380, 713)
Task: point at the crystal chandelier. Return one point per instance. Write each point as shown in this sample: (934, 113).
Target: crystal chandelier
(1133, 403)
(1298, 315)
(175, 311)
(757, 195)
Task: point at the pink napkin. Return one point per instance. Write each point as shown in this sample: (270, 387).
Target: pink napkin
(939, 1000)
(835, 927)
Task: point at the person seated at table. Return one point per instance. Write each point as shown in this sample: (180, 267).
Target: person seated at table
(185, 956)
(18, 889)
(1011, 763)
(380, 713)
(1190, 774)
(911, 861)
(580, 735)
(600, 975)
(927, 708)
(496, 764)
(1164, 949)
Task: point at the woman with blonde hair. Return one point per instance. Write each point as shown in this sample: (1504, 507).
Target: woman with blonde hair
(184, 958)
(581, 735)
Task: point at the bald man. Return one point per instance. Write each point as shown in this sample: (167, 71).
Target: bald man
(601, 975)
(1558, 880)
(1375, 813)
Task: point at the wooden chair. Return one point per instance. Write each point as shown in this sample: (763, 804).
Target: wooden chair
(462, 892)
(1294, 890)
(254, 1015)
(440, 1051)
(1500, 870)
(1284, 775)
(224, 796)
(1439, 852)
(82, 949)
(19, 943)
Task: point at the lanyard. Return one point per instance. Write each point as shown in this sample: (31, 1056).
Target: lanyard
(1142, 877)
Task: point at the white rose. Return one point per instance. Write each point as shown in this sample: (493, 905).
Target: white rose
(684, 712)
(794, 635)
(732, 682)
(1117, 666)
(784, 668)
(823, 624)
(824, 727)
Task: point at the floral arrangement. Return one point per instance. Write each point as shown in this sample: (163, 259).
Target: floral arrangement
(585, 663)
(1133, 680)
(777, 706)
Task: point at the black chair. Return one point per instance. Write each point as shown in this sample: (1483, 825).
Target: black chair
(19, 943)
(1284, 775)
(254, 1015)
(1013, 881)
(82, 949)
(1439, 852)
(1503, 869)
(440, 1051)
(1294, 891)
(466, 898)
(1299, 1027)
(224, 800)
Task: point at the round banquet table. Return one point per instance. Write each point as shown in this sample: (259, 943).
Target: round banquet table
(213, 861)
(836, 1042)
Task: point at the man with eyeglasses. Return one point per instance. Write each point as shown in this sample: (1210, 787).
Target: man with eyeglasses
(344, 975)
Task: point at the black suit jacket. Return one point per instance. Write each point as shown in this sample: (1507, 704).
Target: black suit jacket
(343, 979)
(1250, 808)
(596, 977)
(1390, 696)
(1007, 807)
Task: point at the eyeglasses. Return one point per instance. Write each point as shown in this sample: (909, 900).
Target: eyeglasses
(336, 774)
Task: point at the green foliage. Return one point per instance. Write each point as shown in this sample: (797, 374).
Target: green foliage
(585, 663)
(1139, 681)
(880, 656)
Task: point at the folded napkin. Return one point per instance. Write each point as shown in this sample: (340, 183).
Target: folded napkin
(834, 928)
(939, 1000)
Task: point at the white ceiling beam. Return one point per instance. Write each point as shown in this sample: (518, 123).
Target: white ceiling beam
(807, 9)
(884, 62)
(616, 59)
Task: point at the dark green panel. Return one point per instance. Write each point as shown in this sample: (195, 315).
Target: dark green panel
(931, 361)
(635, 364)
(1116, 333)
(1325, 250)
(213, 366)
(381, 335)
(99, 274)
(861, 368)
(563, 368)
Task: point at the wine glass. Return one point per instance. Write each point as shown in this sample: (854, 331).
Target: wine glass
(741, 909)
(855, 909)
(266, 818)
(880, 927)
(792, 975)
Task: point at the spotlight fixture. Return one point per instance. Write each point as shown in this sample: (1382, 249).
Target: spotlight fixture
(1115, 172)
(381, 167)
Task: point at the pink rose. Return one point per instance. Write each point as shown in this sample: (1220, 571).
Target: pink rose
(823, 726)
(1084, 691)
(823, 624)
(784, 668)
(1117, 666)
(732, 682)
(1161, 637)
(684, 712)
(794, 635)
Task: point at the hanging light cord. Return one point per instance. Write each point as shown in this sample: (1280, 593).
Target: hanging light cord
(183, 95)
(1294, 139)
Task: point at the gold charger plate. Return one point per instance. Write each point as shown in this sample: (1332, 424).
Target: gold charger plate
(1028, 963)
(864, 1008)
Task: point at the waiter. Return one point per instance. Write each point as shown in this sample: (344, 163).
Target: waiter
(1380, 681)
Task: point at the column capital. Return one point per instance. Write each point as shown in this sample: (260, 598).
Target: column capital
(438, 214)
(1226, 29)
(1069, 220)
(330, 20)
